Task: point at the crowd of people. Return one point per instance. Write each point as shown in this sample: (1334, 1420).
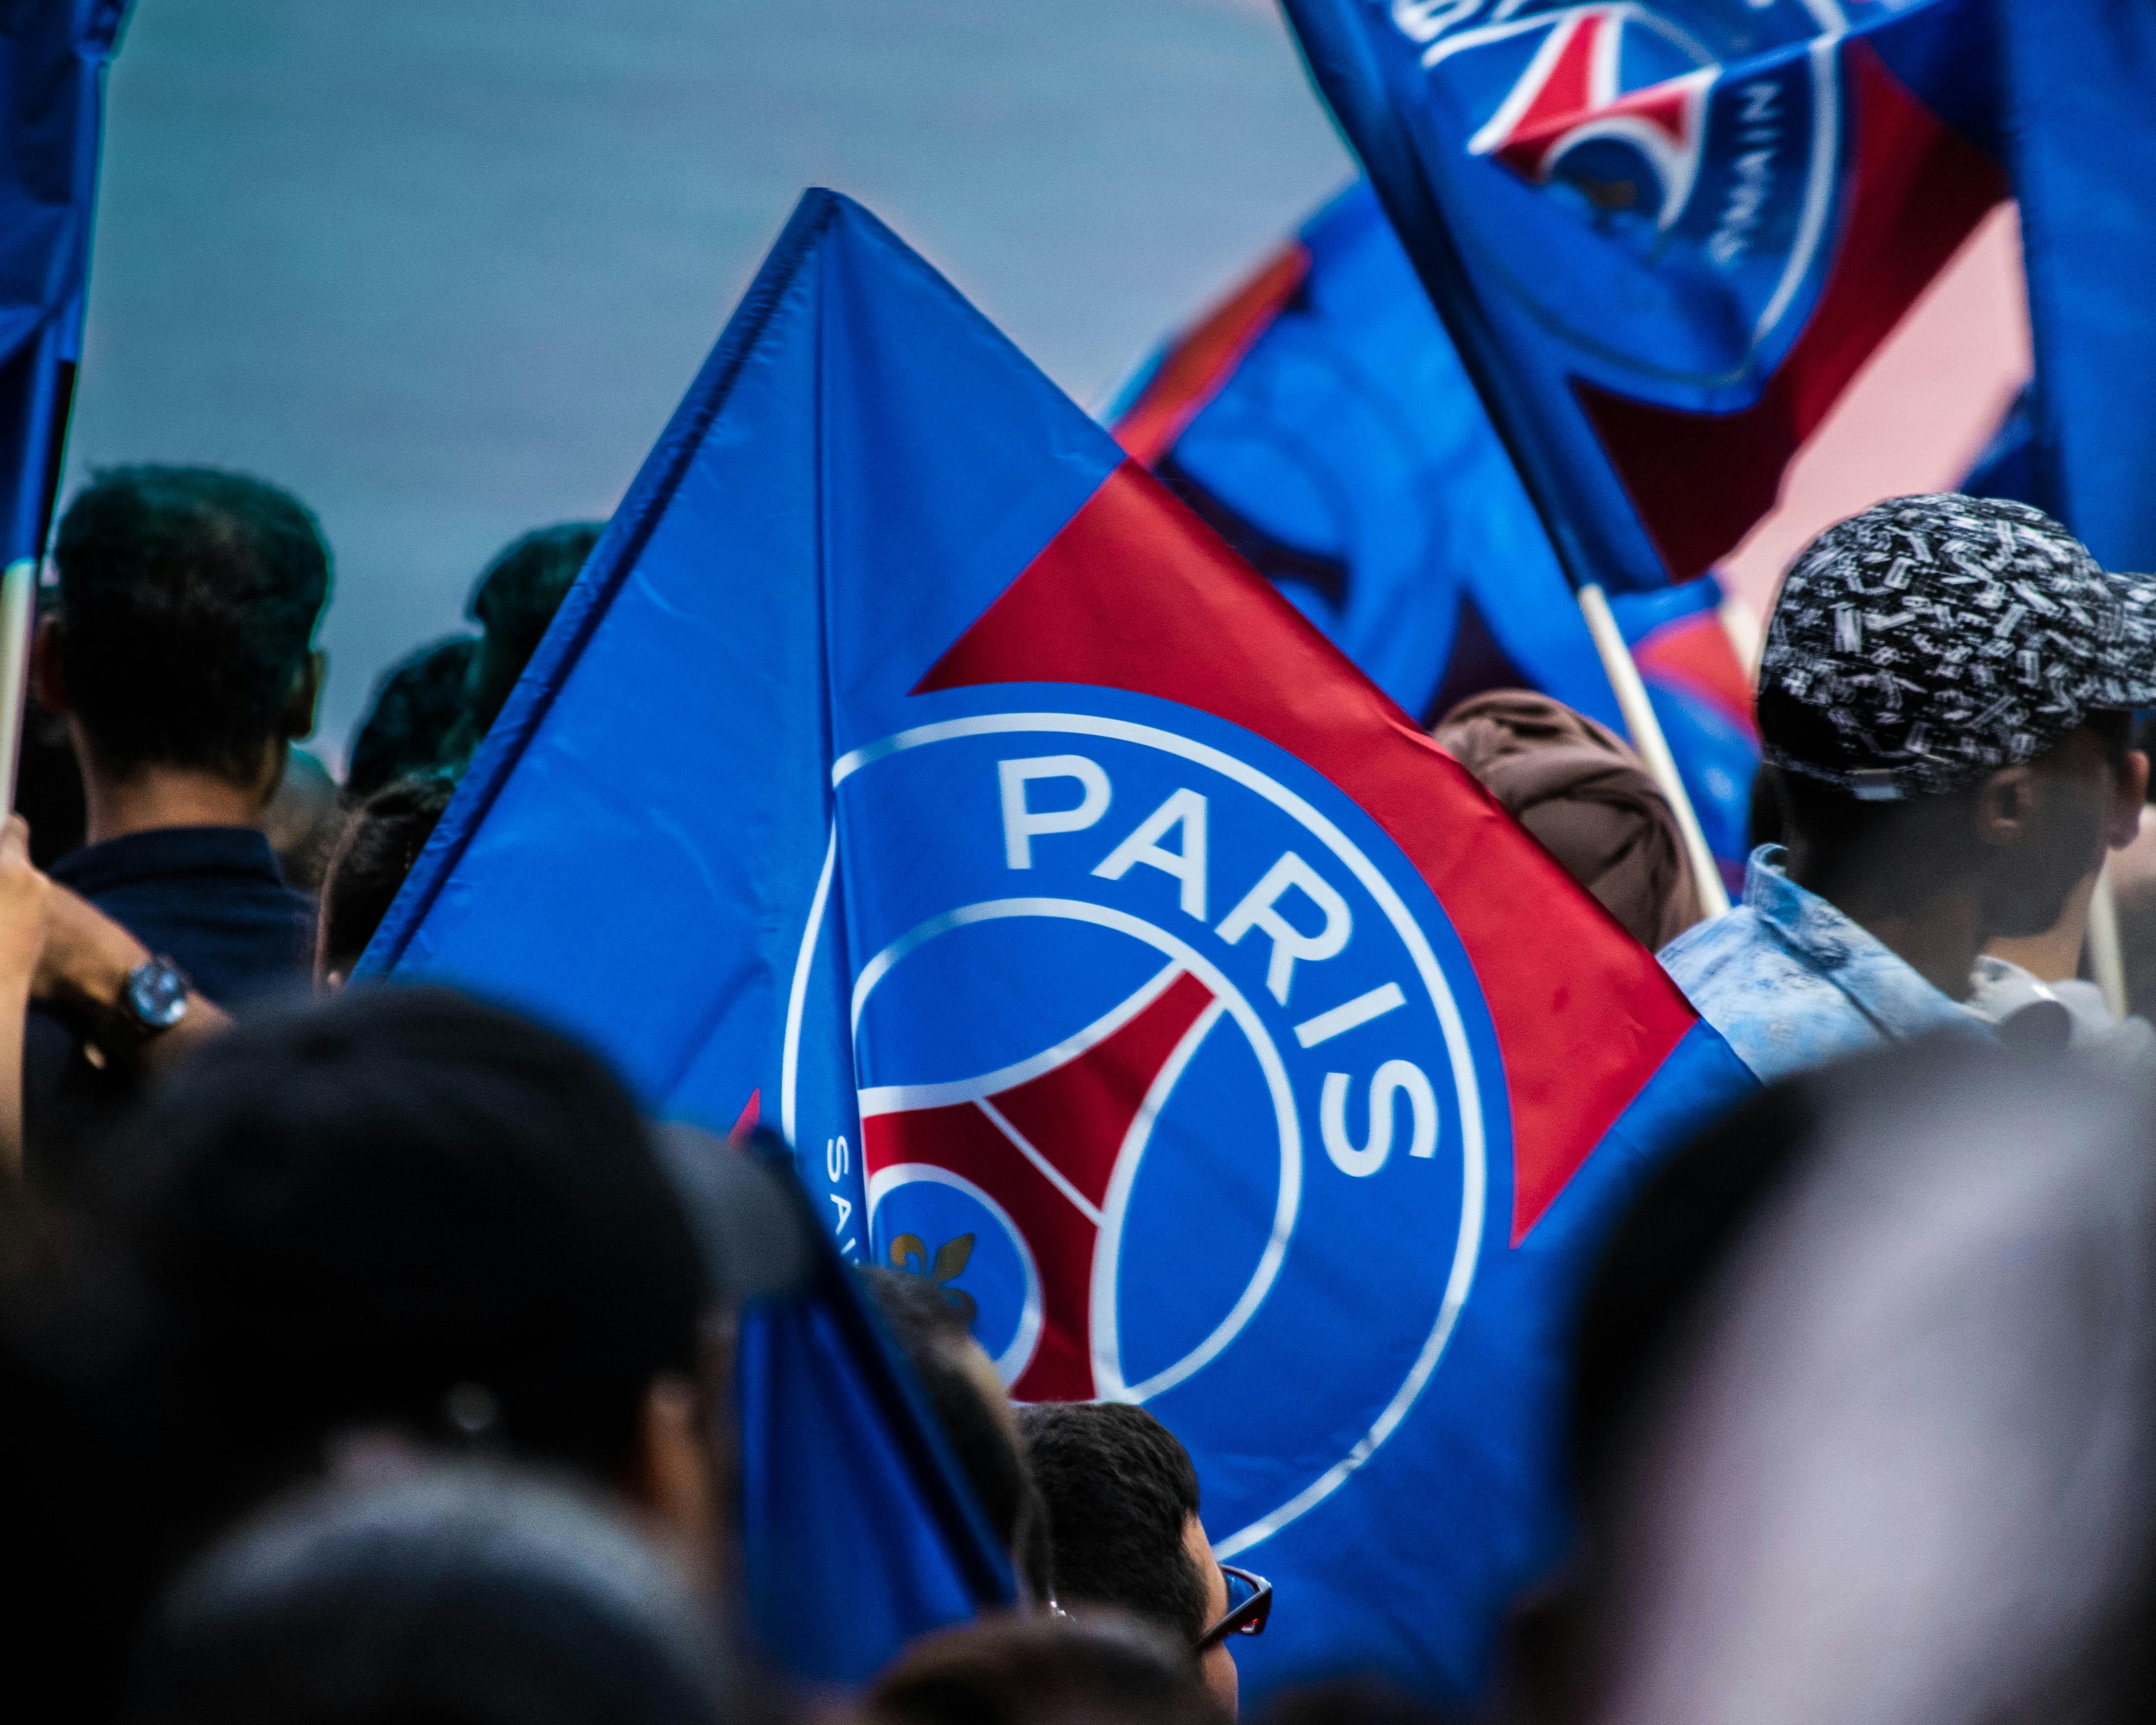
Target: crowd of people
(365, 1357)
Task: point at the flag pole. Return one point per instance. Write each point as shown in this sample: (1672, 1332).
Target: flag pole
(2107, 956)
(1647, 737)
(18, 608)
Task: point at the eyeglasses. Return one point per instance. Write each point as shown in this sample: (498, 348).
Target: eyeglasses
(1250, 1605)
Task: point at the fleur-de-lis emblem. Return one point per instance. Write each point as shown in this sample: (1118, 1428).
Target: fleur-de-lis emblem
(909, 1252)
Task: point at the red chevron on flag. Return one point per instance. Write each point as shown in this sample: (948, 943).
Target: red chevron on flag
(1570, 96)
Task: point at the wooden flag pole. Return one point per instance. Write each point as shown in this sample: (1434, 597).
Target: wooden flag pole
(1654, 747)
(18, 610)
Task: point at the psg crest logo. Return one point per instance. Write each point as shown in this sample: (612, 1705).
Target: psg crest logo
(1700, 138)
(1163, 1062)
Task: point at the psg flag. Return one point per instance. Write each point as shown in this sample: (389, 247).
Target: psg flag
(1320, 421)
(2081, 78)
(1112, 951)
(53, 55)
(1664, 234)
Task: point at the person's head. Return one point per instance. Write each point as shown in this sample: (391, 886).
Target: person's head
(303, 820)
(367, 871)
(1888, 1440)
(1944, 699)
(454, 1595)
(1123, 1521)
(184, 634)
(937, 1337)
(1579, 789)
(409, 1217)
(1089, 1668)
(417, 705)
(516, 601)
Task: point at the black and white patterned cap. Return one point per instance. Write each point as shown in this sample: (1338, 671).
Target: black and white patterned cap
(1931, 640)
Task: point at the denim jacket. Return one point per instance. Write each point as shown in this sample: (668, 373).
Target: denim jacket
(1791, 982)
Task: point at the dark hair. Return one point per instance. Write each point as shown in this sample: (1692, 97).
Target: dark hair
(929, 1329)
(187, 600)
(1120, 1491)
(523, 587)
(1091, 1668)
(417, 703)
(515, 601)
(401, 1210)
(455, 1596)
(367, 871)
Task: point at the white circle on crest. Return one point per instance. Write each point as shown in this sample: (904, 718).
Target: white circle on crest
(1474, 1159)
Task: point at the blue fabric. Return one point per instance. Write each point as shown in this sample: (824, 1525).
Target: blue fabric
(1679, 253)
(677, 788)
(857, 1529)
(2009, 466)
(53, 56)
(1349, 457)
(1791, 982)
(2079, 76)
(730, 830)
(820, 1467)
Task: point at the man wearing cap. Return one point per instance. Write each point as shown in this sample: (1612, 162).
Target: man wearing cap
(1944, 706)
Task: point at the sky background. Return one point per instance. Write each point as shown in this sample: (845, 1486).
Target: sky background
(443, 267)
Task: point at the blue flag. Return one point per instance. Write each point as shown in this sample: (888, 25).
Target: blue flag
(1109, 948)
(2080, 76)
(2008, 465)
(1320, 421)
(1664, 234)
(53, 55)
(858, 1532)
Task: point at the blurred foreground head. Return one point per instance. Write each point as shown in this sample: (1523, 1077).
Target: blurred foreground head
(1580, 790)
(402, 1221)
(409, 1210)
(1090, 1668)
(455, 1596)
(1891, 1457)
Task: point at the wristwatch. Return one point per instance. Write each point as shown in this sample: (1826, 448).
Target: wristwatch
(155, 998)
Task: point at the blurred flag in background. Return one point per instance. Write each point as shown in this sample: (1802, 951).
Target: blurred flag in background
(2081, 82)
(1320, 421)
(53, 56)
(1665, 236)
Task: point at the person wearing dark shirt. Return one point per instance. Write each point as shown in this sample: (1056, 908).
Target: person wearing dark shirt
(181, 655)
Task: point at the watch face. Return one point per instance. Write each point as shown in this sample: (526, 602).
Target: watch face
(157, 994)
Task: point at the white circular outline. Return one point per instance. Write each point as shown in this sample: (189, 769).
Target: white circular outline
(1107, 1350)
(1474, 1159)
(1014, 1358)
